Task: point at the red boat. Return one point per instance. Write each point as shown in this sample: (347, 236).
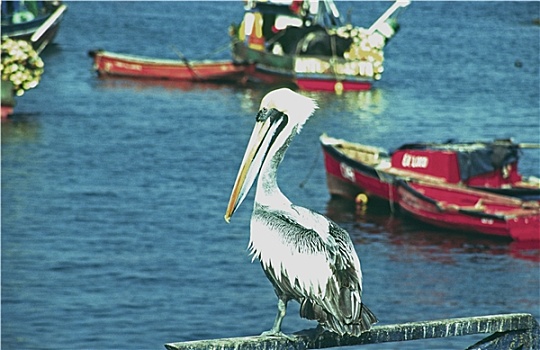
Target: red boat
(263, 73)
(116, 64)
(459, 208)
(354, 168)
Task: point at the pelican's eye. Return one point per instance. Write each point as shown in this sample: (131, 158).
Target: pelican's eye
(262, 115)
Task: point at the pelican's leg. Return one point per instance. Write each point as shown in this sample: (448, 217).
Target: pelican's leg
(276, 328)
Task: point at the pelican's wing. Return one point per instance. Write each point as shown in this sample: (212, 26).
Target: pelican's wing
(343, 290)
(294, 252)
(336, 241)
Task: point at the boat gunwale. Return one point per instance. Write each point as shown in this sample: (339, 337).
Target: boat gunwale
(103, 54)
(363, 167)
(523, 208)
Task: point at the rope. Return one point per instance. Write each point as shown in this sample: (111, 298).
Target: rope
(310, 172)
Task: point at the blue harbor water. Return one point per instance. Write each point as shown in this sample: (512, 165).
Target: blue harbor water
(113, 191)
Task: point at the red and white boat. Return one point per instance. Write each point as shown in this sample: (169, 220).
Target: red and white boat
(451, 185)
(459, 208)
(353, 168)
(122, 65)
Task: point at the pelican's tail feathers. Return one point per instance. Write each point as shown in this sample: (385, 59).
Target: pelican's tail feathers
(332, 323)
(367, 318)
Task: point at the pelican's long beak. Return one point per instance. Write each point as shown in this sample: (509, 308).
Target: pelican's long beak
(262, 138)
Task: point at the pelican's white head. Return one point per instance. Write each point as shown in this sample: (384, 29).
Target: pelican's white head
(298, 107)
(282, 113)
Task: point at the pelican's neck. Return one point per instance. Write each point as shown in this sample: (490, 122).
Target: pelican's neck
(268, 192)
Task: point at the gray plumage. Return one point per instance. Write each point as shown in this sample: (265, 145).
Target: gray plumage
(337, 306)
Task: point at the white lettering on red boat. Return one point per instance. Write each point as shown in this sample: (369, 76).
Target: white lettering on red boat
(410, 161)
(486, 221)
(346, 171)
(131, 66)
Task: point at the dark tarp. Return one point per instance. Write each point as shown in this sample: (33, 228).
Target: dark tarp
(475, 158)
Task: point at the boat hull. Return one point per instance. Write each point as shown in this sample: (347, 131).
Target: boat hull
(322, 83)
(115, 64)
(49, 24)
(462, 209)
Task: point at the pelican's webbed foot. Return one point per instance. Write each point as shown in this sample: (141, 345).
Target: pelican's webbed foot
(276, 333)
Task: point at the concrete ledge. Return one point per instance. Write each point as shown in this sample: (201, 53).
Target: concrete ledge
(511, 331)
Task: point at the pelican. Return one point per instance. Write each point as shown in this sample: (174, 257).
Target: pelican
(306, 256)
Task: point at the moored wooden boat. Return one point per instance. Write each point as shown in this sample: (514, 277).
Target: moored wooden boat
(310, 46)
(34, 21)
(354, 168)
(116, 64)
(458, 208)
